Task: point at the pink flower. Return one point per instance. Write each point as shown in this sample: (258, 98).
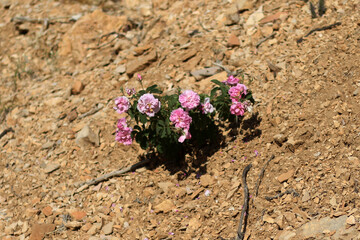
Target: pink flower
(232, 80)
(139, 76)
(122, 104)
(148, 105)
(186, 135)
(180, 118)
(189, 99)
(123, 132)
(206, 107)
(237, 92)
(237, 109)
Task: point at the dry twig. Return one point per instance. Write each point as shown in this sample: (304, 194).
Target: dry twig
(243, 217)
(318, 29)
(261, 175)
(116, 173)
(264, 39)
(6, 131)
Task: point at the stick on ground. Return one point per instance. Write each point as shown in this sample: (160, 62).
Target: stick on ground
(317, 30)
(116, 173)
(243, 217)
(261, 175)
(5, 132)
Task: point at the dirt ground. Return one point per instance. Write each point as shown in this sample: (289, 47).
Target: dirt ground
(62, 63)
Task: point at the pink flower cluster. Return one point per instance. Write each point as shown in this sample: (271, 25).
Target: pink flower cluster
(148, 105)
(123, 132)
(122, 104)
(206, 107)
(237, 109)
(182, 121)
(189, 99)
(236, 93)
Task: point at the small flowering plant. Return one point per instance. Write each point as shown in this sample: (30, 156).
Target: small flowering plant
(180, 123)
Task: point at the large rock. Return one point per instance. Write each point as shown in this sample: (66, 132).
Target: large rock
(87, 30)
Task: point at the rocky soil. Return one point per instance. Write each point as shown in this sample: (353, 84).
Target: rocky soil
(62, 63)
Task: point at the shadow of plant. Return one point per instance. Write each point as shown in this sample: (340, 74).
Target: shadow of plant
(185, 159)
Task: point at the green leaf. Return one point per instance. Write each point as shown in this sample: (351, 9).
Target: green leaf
(143, 118)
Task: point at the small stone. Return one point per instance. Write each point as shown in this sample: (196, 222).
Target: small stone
(47, 211)
(279, 139)
(306, 196)
(165, 206)
(73, 225)
(47, 145)
(38, 231)
(233, 41)
(31, 212)
(86, 137)
(205, 72)
(243, 5)
(285, 176)
(206, 180)
(95, 228)
(351, 220)
(78, 215)
(77, 87)
(293, 144)
(51, 167)
(165, 186)
(72, 115)
(268, 219)
(333, 201)
(271, 18)
(86, 227)
(108, 228)
(120, 69)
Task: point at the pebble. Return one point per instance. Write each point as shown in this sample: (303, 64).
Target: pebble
(51, 167)
(279, 139)
(87, 137)
(108, 228)
(285, 176)
(121, 69)
(77, 87)
(233, 41)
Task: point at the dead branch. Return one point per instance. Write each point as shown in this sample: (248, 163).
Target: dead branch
(6, 131)
(317, 30)
(243, 217)
(289, 191)
(261, 175)
(21, 19)
(116, 173)
(264, 39)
